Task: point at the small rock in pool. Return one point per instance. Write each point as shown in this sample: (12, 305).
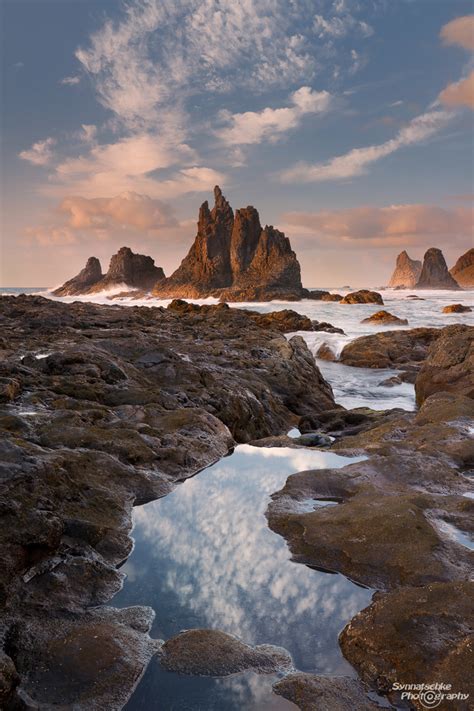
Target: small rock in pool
(215, 653)
(457, 309)
(391, 382)
(313, 439)
(326, 353)
(309, 691)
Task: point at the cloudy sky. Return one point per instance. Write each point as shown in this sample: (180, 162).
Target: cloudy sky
(347, 123)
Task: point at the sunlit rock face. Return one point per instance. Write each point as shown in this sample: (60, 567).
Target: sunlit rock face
(234, 258)
(406, 273)
(463, 270)
(434, 273)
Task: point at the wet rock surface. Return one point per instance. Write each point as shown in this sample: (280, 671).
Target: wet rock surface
(215, 653)
(457, 309)
(310, 692)
(385, 318)
(363, 296)
(107, 407)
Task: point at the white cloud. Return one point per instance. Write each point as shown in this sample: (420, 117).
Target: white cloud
(70, 81)
(40, 153)
(269, 124)
(126, 210)
(356, 161)
(338, 27)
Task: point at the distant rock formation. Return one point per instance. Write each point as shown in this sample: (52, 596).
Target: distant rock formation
(235, 259)
(435, 274)
(87, 277)
(126, 267)
(406, 273)
(463, 270)
(363, 296)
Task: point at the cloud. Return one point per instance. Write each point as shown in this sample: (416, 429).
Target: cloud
(51, 235)
(70, 81)
(269, 124)
(338, 27)
(126, 210)
(392, 226)
(88, 133)
(460, 93)
(356, 161)
(40, 153)
(460, 32)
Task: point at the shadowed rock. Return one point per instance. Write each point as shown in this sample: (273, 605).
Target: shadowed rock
(407, 272)
(87, 277)
(215, 653)
(310, 692)
(463, 270)
(434, 273)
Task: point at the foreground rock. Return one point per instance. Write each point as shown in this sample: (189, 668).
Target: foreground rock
(126, 267)
(363, 296)
(235, 259)
(435, 646)
(310, 692)
(435, 274)
(407, 272)
(215, 653)
(463, 270)
(385, 318)
(457, 309)
(111, 407)
(449, 366)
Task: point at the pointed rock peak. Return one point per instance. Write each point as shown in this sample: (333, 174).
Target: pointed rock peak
(87, 277)
(434, 273)
(463, 270)
(217, 193)
(407, 272)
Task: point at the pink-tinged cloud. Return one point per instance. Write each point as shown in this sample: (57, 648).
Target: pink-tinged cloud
(126, 210)
(392, 226)
(459, 32)
(460, 93)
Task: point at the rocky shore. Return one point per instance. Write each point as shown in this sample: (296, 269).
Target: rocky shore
(107, 407)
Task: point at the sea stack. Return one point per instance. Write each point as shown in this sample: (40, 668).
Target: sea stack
(406, 273)
(133, 270)
(463, 270)
(434, 273)
(235, 259)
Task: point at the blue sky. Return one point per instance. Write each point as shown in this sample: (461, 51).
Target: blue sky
(347, 123)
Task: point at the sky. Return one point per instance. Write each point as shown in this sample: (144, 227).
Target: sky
(347, 123)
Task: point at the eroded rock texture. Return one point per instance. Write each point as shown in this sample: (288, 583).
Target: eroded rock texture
(463, 270)
(406, 273)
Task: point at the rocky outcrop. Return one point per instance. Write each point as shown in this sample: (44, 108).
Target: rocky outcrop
(134, 270)
(449, 365)
(310, 692)
(80, 284)
(363, 296)
(463, 270)
(404, 350)
(457, 309)
(434, 273)
(407, 272)
(235, 259)
(126, 402)
(385, 318)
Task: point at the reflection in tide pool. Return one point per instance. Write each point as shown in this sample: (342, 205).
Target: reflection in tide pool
(205, 557)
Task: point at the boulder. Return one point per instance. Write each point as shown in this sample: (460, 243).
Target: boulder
(235, 259)
(363, 296)
(390, 349)
(385, 318)
(463, 270)
(434, 273)
(457, 309)
(324, 693)
(449, 365)
(87, 277)
(407, 272)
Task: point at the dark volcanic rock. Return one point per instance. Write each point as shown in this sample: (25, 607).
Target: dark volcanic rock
(407, 272)
(384, 317)
(324, 693)
(363, 296)
(463, 270)
(235, 259)
(215, 653)
(449, 366)
(126, 267)
(411, 632)
(126, 402)
(435, 274)
(457, 309)
(89, 276)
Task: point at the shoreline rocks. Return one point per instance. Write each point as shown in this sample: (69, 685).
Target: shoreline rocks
(457, 309)
(363, 296)
(385, 317)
